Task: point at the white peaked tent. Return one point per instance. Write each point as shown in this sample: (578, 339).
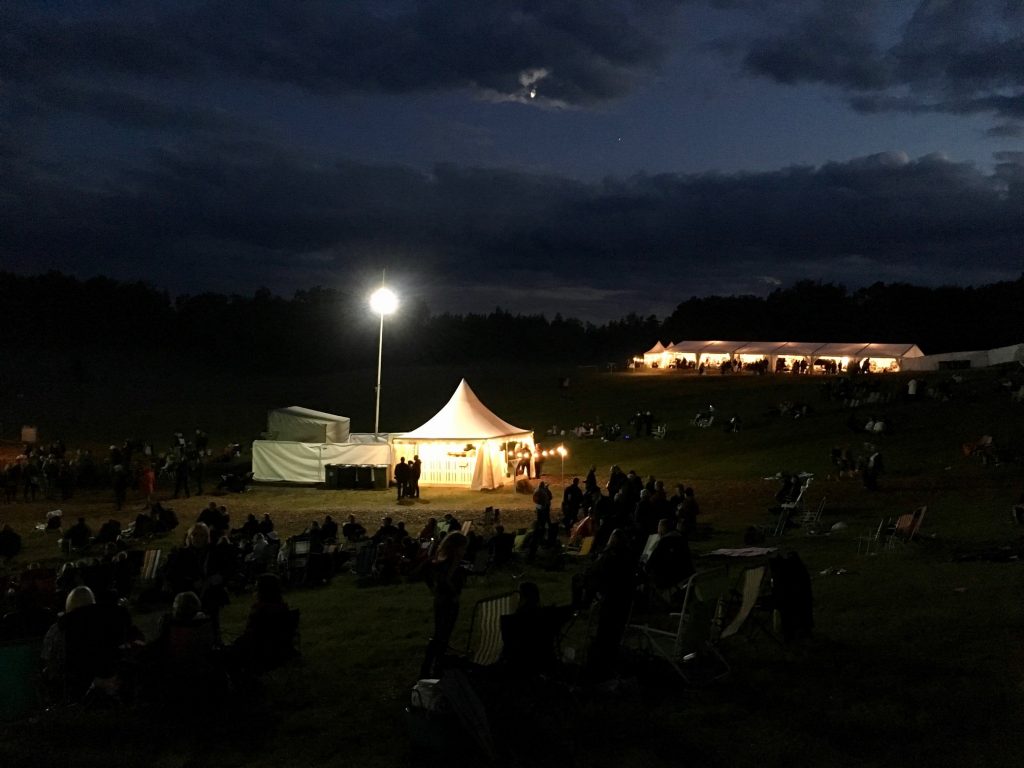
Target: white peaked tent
(655, 354)
(464, 444)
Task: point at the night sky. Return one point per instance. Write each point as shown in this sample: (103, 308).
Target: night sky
(590, 158)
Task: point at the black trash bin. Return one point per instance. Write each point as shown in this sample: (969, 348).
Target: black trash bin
(347, 476)
(380, 477)
(331, 476)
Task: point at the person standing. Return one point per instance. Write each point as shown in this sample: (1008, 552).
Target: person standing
(414, 476)
(402, 478)
(147, 483)
(181, 477)
(572, 500)
(542, 507)
(445, 578)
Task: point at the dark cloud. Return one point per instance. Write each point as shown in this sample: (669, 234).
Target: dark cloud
(915, 56)
(213, 215)
(578, 53)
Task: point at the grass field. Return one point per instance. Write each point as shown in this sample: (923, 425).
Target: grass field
(917, 657)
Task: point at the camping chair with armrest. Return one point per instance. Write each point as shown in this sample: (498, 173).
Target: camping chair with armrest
(797, 503)
(686, 638)
(485, 628)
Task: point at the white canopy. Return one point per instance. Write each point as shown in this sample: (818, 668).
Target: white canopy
(464, 418)
(304, 425)
(657, 349)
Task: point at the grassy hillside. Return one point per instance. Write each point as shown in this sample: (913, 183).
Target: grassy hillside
(916, 655)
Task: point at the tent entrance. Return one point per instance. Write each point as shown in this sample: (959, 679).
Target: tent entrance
(443, 463)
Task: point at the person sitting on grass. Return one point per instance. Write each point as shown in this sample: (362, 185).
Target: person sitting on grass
(78, 536)
(670, 562)
(268, 639)
(353, 530)
(387, 530)
(529, 634)
(83, 649)
(429, 530)
(10, 542)
(329, 530)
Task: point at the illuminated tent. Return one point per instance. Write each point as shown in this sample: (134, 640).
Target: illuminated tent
(655, 355)
(301, 442)
(464, 444)
(880, 357)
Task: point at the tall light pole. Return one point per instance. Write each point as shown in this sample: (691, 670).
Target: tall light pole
(384, 302)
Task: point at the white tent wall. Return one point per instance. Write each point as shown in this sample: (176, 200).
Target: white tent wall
(978, 358)
(1011, 354)
(301, 462)
(304, 425)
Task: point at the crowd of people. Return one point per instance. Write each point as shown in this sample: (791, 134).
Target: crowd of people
(91, 647)
(52, 472)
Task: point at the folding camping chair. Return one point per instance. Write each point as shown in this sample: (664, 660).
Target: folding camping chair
(688, 635)
(366, 558)
(872, 539)
(811, 518)
(297, 562)
(485, 626)
(748, 594)
(151, 562)
(797, 503)
(586, 546)
(906, 528)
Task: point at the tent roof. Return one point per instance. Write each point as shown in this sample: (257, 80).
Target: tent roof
(656, 349)
(309, 413)
(722, 347)
(759, 347)
(464, 418)
(892, 350)
(688, 346)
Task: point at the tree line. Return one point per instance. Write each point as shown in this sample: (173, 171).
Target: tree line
(323, 329)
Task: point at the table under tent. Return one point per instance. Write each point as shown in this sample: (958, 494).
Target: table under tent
(464, 444)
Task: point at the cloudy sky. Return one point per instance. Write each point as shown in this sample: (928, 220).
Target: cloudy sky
(591, 157)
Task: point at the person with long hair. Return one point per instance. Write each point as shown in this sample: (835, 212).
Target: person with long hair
(445, 577)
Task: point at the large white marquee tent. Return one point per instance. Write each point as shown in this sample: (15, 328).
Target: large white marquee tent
(464, 444)
(880, 357)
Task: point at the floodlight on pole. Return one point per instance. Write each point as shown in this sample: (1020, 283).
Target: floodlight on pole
(560, 450)
(383, 301)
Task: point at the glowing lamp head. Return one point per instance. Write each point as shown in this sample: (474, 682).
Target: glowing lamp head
(383, 301)
(561, 451)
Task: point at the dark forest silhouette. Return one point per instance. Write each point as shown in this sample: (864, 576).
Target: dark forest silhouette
(324, 329)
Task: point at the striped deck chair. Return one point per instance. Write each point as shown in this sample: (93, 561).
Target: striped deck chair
(151, 563)
(485, 627)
